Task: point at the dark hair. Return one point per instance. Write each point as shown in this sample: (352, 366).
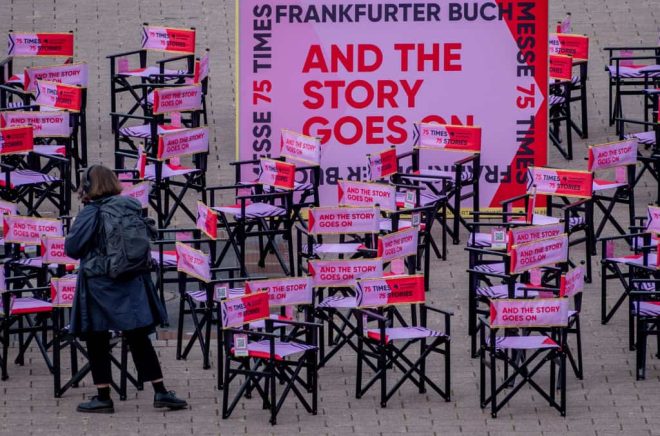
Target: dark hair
(98, 182)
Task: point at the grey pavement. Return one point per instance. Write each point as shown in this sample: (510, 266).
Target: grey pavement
(608, 401)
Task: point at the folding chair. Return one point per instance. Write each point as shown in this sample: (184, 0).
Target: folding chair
(622, 268)
(645, 313)
(27, 181)
(577, 48)
(630, 75)
(256, 213)
(559, 187)
(524, 354)
(445, 162)
(337, 309)
(382, 300)
(622, 157)
(559, 102)
(269, 359)
(167, 40)
(305, 152)
(194, 266)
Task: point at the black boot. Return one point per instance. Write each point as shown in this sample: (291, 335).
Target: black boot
(169, 400)
(95, 405)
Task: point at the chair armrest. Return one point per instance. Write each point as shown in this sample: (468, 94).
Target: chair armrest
(467, 159)
(512, 199)
(437, 310)
(372, 314)
(293, 323)
(133, 117)
(174, 59)
(244, 162)
(576, 204)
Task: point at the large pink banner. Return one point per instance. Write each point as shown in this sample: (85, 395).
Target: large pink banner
(360, 75)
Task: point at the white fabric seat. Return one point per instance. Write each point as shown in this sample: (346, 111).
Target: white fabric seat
(601, 185)
(502, 291)
(253, 210)
(169, 170)
(635, 71)
(26, 177)
(333, 248)
(338, 302)
(150, 71)
(28, 305)
(403, 333)
(645, 138)
(144, 130)
(534, 342)
(646, 308)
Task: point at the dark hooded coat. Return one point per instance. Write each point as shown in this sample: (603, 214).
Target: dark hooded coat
(102, 303)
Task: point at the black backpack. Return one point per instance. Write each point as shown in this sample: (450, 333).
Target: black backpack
(125, 238)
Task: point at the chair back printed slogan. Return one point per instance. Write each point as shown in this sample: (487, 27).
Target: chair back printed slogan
(63, 290)
(343, 220)
(235, 312)
(566, 44)
(450, 137)
(529, 313)
(276, 174)
(343, 273)
(289, 291)
(525, 257)
(364, 194)
(564, 183)
(168, 39)
(300, 147)
(29, 230)
(572, 283)
(40, 44)
(193, 262)
(388, 291)
(612, 155)
(16, 140)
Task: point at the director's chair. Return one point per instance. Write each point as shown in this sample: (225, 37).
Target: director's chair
(645, 312)
(526, 354)
(386, 346)
(265, 359)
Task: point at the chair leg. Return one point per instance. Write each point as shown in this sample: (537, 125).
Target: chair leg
(382, 367)
(641, 350)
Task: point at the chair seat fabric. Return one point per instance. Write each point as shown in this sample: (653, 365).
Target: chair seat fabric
(169, 171)
(253, 210)
(534, 342)
(645, 138)
(169, 257)
(496, 268)
(261, 349)
(555, 100)
(51, 150)
(502, 291)
(633, 259)
(334, 248)
(601, 185)
(403, 333)
(144, 130)
(646, 308)
(25, 177)
(29, 305)
(638, 71)
(338, 302)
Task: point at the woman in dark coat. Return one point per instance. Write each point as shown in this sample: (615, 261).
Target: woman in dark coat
(103, 304)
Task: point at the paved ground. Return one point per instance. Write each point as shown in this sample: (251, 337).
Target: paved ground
(608, 401)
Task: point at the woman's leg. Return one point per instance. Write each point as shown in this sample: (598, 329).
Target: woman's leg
(98, 353)
(148, 366)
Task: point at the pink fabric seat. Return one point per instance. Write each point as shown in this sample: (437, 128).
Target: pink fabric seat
(51, 150)
(633, 259)
(403, 333)
(29, 305)
(169, 257)
(496, 268)
(601, 185)
(333, 248)
(261, 349)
